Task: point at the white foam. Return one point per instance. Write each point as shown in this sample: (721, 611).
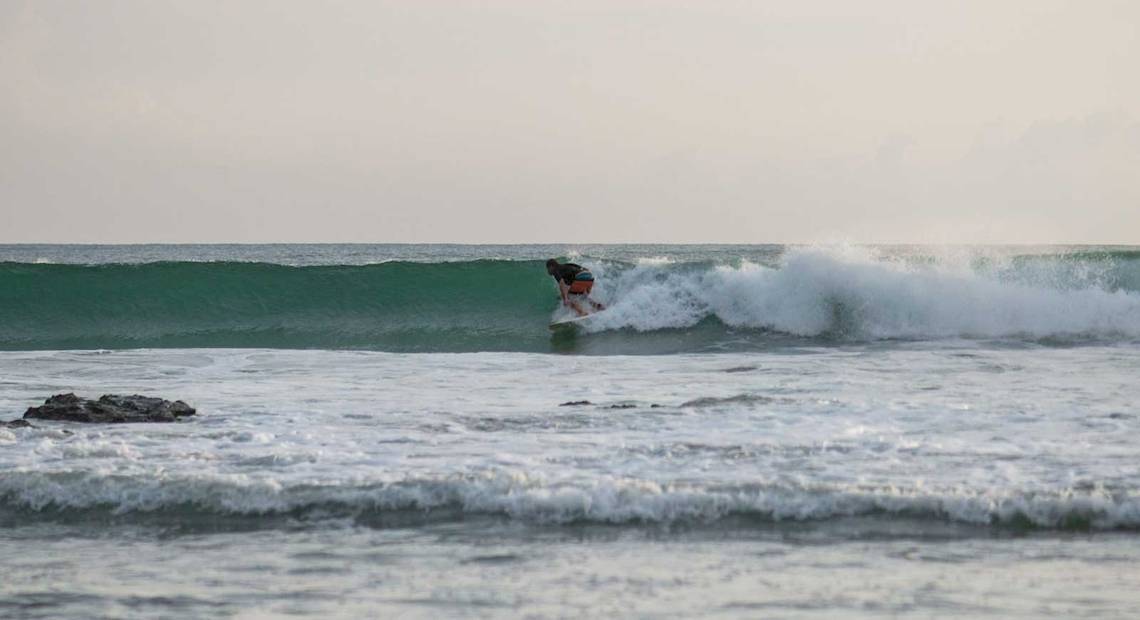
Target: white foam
(655, 260)
(849, 292)
(605, 500)
(99, 449)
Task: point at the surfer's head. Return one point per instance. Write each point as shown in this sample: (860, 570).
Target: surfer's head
(551, 266)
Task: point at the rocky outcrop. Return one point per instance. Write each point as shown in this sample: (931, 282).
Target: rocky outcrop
(17, 424)
(110, 408)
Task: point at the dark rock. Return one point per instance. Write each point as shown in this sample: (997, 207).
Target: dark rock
(742, 399)
(740, 369)
(17, 424)
(623, 406)
(110, 408)
(576, 403)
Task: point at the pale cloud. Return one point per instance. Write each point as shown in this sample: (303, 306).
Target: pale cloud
(558, 121)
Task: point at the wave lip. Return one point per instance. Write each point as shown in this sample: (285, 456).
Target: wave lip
(609, 501)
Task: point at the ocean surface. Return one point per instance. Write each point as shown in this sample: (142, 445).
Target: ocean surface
(746, 431)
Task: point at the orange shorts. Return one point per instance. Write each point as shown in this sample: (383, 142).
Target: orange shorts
(581, 287)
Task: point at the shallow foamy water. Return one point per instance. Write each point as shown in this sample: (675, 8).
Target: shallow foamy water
(950, 477)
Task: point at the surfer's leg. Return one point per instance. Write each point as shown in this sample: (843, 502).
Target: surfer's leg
(575, 304)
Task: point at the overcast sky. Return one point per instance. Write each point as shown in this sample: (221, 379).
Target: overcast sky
(534, 121)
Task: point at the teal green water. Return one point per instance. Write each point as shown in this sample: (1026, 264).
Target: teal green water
(402, 306)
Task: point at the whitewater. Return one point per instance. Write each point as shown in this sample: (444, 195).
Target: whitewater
(747, 431)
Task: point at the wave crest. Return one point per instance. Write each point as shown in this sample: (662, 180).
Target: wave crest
(518, 496)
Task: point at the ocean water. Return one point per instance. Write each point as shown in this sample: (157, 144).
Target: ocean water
(747, 431)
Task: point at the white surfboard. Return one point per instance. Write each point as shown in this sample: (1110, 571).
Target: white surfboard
(571, 323)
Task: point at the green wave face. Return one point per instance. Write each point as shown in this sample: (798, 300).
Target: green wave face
(462, 306)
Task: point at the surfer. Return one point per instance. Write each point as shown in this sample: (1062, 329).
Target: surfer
(574, 284)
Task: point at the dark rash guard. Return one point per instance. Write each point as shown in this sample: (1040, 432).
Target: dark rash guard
(566, 272)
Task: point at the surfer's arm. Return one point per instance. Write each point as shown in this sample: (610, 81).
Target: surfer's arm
(563, 290)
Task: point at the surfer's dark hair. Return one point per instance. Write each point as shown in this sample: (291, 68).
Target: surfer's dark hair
(551, 263)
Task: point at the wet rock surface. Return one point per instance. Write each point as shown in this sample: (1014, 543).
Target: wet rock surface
(110, 409)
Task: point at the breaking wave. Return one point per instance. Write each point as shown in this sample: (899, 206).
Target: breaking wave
(500, 305)
(77, 496)
(853, 294)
